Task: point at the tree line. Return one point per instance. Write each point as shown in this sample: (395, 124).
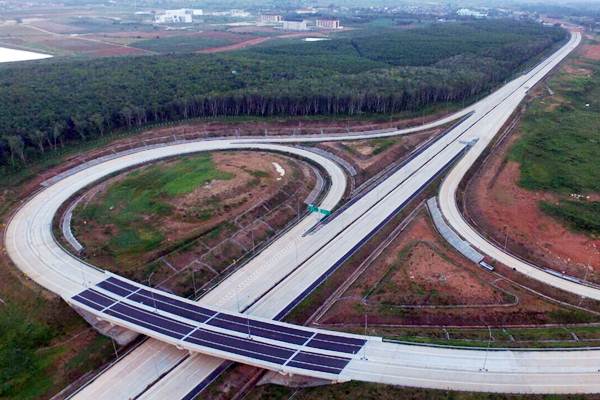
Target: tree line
(46, 105)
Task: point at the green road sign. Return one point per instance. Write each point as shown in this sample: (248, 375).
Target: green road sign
(314, 208)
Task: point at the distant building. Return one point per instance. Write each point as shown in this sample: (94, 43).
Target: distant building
(328, 24)
(232, 13)
(180, 16)
(306, 10)
(269, 19)
(466, 12)
(239, 13)
(295, 25)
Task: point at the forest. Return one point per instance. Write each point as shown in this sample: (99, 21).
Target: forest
(49, 104)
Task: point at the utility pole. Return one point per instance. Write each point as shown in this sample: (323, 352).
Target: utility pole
(364, 356)
(484, 368)
(115, 348)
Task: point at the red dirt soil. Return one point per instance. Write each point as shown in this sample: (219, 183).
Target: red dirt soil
(499, 205)
(490, 298)
(255, 41)
(441, 281)
(235, 46)
(591, 51)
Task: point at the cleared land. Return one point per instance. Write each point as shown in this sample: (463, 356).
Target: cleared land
(418, 280)
(371, 157)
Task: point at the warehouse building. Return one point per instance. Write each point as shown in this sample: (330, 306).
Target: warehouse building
(328, 24)
(180, 16)
(292, 25)
(269, 19)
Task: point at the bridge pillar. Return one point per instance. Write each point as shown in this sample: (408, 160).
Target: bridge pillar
(119, 334)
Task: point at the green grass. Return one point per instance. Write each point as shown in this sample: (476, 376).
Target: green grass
(560, 147)
(553, 337)
(23, 367)
(381, 145)
(181, 44)
(135, 204)
(581, 216)
(90, 357)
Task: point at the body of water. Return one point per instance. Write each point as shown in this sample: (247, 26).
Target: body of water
(12, 55)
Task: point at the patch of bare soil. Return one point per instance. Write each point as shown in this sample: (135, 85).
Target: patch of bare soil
(242, 192)
(430, 284)
(258, 40)
(592, 51)
(511, 215)
(370, 157)
(573, 69)
(422, 275)
(235, 46)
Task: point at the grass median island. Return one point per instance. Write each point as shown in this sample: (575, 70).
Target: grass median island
(560, 146)
(135, 205)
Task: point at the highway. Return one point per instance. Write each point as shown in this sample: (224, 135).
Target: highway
(30, 244)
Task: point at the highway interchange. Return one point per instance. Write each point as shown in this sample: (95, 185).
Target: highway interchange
(287, 270)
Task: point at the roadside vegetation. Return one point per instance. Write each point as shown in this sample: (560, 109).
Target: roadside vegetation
(184, 222)
(381, 71)
(22, 362)
(560, 145)
(35, 356)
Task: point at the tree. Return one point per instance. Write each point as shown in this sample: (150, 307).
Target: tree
(16, 147)
(57, 133)
(38, 137)
(97, 121)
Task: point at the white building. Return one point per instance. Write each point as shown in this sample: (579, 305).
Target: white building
(306, 10)
(295, 25)
(328, 24)
(180, 16)
(239, 13)
(466, 12)
(268, 19)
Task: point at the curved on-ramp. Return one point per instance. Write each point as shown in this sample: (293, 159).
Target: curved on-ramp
(449, 188)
